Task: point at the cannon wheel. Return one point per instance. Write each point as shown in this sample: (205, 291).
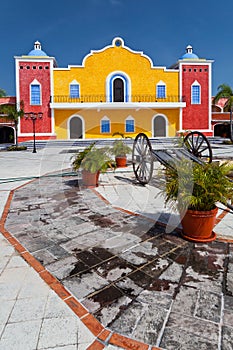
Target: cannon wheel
(198, 144)
(142, 158)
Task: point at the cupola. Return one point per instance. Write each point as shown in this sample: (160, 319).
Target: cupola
(37, 50)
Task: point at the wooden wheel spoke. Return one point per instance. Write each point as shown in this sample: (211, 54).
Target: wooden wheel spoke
(198, 144)
(142, 160)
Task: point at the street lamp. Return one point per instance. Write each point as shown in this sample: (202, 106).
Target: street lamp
(34, 116)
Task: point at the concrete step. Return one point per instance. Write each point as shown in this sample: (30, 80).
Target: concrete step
(82, 143)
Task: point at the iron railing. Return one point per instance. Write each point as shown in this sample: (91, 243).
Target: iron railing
(104, 98)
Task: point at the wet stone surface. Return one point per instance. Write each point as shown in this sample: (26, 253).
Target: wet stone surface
(126, 270)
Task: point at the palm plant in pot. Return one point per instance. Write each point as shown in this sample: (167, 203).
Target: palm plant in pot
(120, 150)
(194, 190)
(92, 161)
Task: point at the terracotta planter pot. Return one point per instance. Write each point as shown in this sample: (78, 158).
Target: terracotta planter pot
(198, 225)
(121, 161)
(90, 179)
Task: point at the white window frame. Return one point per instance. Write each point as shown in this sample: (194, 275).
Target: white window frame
(105, 118)
(74, 82)
(35, 82)
(161, 83)
(194, 101)
(127, 119)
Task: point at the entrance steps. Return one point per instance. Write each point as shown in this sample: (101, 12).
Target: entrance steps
(82, 143)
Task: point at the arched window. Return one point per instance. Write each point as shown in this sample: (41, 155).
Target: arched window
(105, 125)
(159, 126)
(161, 90)
(196, 93)
(35, 93)
(129, 124)
(76, 128)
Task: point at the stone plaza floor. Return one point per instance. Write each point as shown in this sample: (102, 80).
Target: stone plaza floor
(114, 258)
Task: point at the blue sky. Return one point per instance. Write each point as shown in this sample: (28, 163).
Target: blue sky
(68, 30)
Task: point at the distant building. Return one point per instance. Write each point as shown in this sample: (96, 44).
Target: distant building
(7, 130)
(115, 89)
(221, 118)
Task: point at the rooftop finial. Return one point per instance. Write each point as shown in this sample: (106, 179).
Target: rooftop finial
(189, 49)
(37, 45)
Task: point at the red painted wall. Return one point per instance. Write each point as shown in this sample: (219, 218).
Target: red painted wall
(195, 116)
(28, 71)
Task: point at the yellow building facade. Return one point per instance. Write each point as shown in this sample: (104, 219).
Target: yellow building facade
(115, 90)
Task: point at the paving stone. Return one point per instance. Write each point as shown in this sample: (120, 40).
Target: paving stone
(109, 313)
(5, 310)
(114, 269)
(153, 298)
(126, 322)
(34, 244)
(156, 268)
(28, 309)
(120, 243)
(62, 268)
(58, 252)
(141, 322)
(44, 257)
(209, 306)
(227, 340)
(140, 278)
(101, 253)
(57, 332)
(189, 333)
(186, 300)
(203, 281)
(85, 285)
(228, 311)
(129, 287)
(149, 325)
(229, 283)
(140, 254)
(88, 258)
(25, 335)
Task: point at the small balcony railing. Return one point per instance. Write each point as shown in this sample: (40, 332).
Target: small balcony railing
(104, 98)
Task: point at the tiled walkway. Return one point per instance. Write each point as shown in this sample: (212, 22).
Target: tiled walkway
(130, 277)
(32, 315)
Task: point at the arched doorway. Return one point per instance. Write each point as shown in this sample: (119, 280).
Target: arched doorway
(159, 126)
(6, 134)
(76, 128)
(118, 90)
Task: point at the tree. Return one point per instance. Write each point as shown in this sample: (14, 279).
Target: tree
(13, 113)
(2, 93)
(225, 91)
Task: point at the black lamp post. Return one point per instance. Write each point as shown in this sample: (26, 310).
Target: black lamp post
(34, 116)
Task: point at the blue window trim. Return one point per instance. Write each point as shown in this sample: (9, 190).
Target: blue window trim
(105, 126)
(129, 125)
(126, 87)
(196, 94)
(35, 94)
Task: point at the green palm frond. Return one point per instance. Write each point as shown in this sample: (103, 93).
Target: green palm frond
(198, 187)
(225, 91)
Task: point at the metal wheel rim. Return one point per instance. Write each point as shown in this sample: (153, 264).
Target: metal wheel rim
(198, 144)
(142, 158)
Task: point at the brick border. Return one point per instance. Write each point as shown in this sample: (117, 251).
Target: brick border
(103, 335)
